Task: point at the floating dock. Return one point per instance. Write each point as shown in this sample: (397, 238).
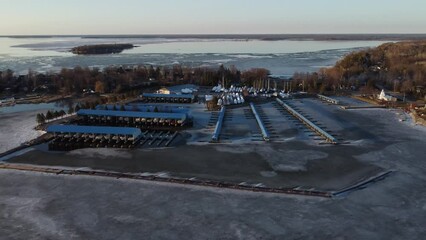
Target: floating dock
(265, 133)
(308, 123)
(328, 99)
(219, 123)
(363, 107)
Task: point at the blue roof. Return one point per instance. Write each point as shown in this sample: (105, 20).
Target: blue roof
(94, 130)
(178, 116)
(168, 95)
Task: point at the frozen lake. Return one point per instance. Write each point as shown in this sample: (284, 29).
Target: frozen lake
(17, 123)
(282, 57)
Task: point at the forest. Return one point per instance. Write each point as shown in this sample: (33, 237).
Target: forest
(398, 67)
(117, 79)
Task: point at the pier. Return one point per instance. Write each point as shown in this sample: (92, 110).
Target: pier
(265, 133)
(219, 123)
(328, 99)
(308, 123)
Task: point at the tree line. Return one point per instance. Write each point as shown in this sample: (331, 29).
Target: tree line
(50, 115)
(115, 79)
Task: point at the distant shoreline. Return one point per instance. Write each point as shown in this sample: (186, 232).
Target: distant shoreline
(264, 37)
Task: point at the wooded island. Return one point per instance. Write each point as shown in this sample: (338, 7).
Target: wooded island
(101, 49)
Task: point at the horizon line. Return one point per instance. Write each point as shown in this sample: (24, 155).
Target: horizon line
(207, 34)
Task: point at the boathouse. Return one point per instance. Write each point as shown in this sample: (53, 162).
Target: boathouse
(167, 98)
(70, 137)
(142, 120)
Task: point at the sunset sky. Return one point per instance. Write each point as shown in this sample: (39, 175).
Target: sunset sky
(28, 17)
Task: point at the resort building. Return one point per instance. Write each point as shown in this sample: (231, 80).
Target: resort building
(70, 137)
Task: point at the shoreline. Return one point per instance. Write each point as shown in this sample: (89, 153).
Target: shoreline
(273, 36)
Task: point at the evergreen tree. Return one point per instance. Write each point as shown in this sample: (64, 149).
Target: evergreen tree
(49, 115)
(40, 118)
(43, 117)
(70, 110)
(77, 108)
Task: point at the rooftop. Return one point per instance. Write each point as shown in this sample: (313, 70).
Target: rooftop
(94, 130)
(143, 107)
(178, 88)
(168, 95)
(135, 114)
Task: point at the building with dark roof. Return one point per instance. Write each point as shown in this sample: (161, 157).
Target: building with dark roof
(168, 98)
(70, 137)
(144, 107)
(142, 120)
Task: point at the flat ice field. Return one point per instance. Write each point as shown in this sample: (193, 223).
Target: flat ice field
(373, 141)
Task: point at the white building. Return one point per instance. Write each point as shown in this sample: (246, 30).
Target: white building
(388, 98)
(179, 89)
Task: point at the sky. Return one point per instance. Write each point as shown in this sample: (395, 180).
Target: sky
(82, 17)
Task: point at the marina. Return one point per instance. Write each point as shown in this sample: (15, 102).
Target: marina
(212, 120)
